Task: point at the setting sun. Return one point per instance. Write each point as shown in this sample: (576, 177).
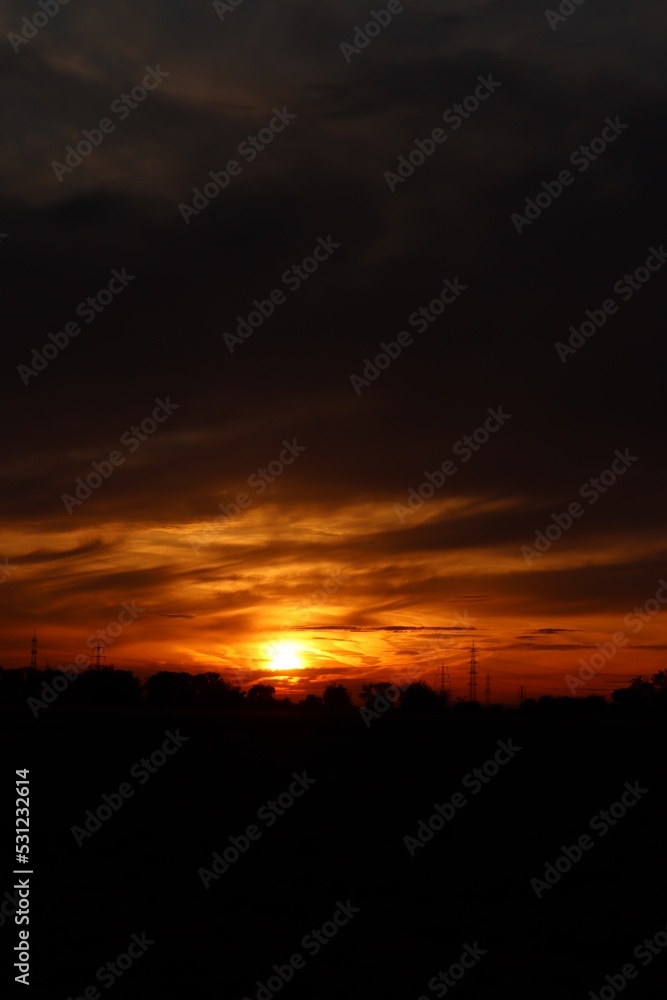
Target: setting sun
(284, 657)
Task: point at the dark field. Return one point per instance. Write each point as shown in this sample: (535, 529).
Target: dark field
(341, 841)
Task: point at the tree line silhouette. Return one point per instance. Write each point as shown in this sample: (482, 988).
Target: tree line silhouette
(108, 686)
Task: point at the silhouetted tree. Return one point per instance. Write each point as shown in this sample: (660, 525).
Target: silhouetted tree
(638, 696)
(593, 704)
(465, 707)
(336, 698)
(106, 686)
(377, 689)
(368, 693)
(420, 699)
(168, 687)
(546, 704)
(212, 689)
(261, 696)
(311, 703)
(109, 686)
(659, 682)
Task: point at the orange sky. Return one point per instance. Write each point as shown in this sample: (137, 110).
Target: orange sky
(412, 591)
(337, 587)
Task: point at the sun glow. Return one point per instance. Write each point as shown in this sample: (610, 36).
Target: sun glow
(284, 657)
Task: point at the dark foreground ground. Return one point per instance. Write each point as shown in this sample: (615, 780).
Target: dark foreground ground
(342, 840)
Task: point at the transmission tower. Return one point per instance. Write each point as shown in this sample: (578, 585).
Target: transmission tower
(98, 655)
(443, 679)
(472, 684)
(487, 689)
(33, 651)
(521, 695)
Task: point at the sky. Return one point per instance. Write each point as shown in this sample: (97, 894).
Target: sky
(320, 571)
